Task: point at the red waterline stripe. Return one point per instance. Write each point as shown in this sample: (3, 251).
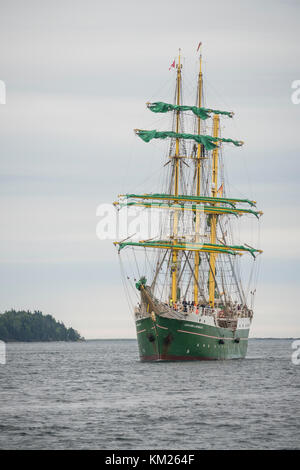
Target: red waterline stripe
(207, 336)
(167, 357)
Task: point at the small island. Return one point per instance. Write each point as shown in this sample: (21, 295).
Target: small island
(27, 326)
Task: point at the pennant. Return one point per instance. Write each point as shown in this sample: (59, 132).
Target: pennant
(220, 190)
(172, 65)
(199, 46)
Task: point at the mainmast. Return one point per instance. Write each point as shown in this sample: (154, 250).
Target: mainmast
(174, 267)
(198, 183)
(213, 217)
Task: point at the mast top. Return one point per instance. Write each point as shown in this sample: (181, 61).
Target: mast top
(179, 65)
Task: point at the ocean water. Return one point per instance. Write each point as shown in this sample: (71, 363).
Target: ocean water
(97, 395)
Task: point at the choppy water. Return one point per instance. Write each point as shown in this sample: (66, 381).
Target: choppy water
(97, 395)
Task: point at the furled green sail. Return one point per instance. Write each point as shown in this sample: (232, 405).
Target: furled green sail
(202, 113)
(189, 246)
(231, 201)
(207, 141)
(193, 207)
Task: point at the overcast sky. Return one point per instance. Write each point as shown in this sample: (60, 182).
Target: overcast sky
(78, 74)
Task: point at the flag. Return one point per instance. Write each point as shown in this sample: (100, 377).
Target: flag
(199, 46)
(220, 190)
(172, 65)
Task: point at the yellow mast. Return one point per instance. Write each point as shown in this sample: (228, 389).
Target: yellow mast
(176, 185)
(213, 218)
(198, 185)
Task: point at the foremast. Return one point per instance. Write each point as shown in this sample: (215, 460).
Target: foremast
(198, 163)
(174, 265)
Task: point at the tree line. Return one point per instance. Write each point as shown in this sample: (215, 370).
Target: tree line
(34, 326)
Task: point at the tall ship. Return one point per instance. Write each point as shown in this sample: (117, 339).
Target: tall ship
(190, 300)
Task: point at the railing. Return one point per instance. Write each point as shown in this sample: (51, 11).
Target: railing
(229, 316)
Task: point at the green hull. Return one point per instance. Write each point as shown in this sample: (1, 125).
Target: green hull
(167, 339)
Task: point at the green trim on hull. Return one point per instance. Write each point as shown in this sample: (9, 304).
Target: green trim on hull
(167, 339)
